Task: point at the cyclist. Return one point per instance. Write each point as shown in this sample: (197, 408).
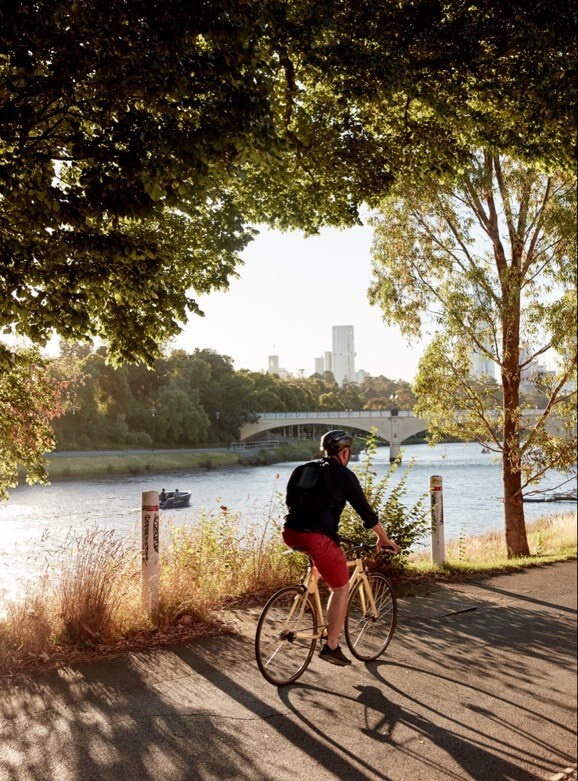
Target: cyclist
(313, 530)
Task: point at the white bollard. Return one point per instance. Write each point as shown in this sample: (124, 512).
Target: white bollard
(438, 552)
(150, 550)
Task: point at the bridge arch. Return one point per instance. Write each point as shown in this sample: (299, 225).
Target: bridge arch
(394, 427)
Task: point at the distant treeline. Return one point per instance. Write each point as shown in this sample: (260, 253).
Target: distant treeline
(194, 400)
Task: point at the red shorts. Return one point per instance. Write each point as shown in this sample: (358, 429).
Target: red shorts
(326, 555)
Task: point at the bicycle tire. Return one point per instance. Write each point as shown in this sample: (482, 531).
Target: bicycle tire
(368, 637)
(280, 657)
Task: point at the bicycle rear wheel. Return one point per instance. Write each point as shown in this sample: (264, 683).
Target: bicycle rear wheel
(368, 636)
(285, 638)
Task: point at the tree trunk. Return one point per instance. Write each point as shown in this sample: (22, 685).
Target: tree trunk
(516, 538)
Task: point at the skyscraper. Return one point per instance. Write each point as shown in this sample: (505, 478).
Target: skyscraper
(343, 354)
(481, 367)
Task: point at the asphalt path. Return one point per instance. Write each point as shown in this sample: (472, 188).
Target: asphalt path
(479, 682)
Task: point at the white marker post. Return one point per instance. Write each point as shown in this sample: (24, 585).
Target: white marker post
(437, 520)
(150, 551)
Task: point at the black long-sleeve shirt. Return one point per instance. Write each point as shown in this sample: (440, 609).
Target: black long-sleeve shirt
(342, 486)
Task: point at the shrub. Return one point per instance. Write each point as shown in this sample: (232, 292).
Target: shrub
(405, 525)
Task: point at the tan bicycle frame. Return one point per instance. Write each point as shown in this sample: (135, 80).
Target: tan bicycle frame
(311, 588)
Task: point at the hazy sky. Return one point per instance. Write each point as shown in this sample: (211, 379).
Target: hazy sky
(290, 292)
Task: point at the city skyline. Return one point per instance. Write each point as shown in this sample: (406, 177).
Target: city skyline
(289, 294)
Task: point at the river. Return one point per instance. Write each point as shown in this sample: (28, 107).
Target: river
(471, 482)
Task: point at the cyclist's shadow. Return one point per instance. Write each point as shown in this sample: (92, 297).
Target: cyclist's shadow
(382, 716)
(386, 713)
(371, 698)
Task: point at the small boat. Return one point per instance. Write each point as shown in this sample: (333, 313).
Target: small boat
(569, 496)
(171, 500)
(485, 450)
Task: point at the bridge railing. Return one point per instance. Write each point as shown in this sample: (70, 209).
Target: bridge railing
(368, 413)
(266, 445)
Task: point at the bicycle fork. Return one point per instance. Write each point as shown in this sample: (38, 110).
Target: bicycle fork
(367, 598)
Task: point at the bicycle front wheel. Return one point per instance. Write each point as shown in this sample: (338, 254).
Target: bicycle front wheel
(286, 636)
(368, 634)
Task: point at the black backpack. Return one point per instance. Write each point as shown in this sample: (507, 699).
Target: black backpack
(308, 488)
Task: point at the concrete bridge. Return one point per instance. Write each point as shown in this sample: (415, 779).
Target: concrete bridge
(394, 427)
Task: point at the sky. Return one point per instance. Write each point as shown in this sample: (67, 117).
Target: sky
(291, 291)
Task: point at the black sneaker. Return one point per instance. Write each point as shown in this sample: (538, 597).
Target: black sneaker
(335, 656)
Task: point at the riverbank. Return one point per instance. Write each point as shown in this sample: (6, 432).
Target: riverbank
(82, 465)
(86, 603)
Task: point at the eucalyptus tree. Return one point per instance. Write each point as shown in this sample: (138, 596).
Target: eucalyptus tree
(489, 265)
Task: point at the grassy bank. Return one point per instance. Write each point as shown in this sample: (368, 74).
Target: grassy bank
(82, 465)
(87, 602)
(551, 538)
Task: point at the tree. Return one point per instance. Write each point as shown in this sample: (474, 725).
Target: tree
(30, 398)
(119, 131)
(383, 393)
(370, 94)
(180, 419)
(491, 263)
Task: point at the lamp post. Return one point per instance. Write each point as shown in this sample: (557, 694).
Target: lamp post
(217, 416)
(153, 413)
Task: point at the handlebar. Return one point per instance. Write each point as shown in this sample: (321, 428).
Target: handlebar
(362, 547)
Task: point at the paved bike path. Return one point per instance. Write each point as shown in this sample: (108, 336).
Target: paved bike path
(479, 682)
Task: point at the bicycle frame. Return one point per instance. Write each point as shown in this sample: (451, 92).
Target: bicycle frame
(309, 585)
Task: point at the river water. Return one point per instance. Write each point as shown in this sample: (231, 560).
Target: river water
(471, 483)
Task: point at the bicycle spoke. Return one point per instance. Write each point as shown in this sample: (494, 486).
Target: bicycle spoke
(286, 636)
(368, 634)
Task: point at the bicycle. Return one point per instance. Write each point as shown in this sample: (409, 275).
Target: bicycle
(292, 620)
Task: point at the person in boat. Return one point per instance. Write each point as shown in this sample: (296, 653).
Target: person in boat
(163, 496)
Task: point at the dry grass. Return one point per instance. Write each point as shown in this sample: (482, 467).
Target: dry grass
(87, 601)
(552, 538)
(88, 597)
(211, 562)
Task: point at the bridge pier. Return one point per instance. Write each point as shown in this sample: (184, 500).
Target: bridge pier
(394, 450)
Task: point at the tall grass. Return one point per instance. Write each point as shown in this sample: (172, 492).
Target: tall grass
(551, 538)
(88, 593)
(87, 598)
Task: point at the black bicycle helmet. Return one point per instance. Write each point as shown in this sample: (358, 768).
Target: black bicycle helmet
(335, 441)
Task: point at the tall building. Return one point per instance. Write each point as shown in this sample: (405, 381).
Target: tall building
(274, 368)
(343, 354)
(481, 366)
(532, 370)
(319, 365)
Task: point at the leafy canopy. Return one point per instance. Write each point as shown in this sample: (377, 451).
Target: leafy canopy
(139, 140)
